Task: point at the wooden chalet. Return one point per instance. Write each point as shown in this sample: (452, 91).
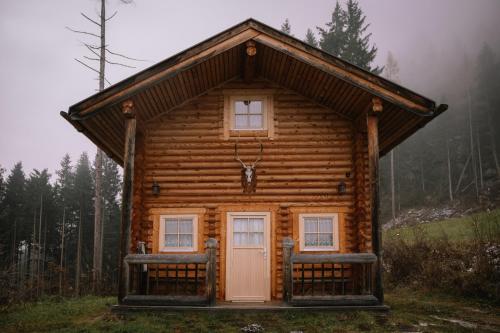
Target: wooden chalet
(250, 172)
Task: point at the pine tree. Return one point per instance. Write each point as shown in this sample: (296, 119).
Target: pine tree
(67, 209)
(111, 217)
(311, 38)
(345, 37)
(391, 69)
(286, 27)
(84, 191)
(357, 48)
(488, 86)
(333, 38)
(12, 214)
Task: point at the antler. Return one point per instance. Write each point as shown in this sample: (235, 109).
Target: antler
(237, 157)
(260, 156)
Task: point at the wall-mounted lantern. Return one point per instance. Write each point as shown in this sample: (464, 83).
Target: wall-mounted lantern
(156, 188)
(342, 187)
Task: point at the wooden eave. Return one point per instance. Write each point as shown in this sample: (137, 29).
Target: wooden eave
(282, 59)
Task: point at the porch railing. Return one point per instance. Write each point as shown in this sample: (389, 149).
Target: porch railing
(172, 279)
(327, 279)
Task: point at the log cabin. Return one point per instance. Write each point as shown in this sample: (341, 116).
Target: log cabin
(250, 172)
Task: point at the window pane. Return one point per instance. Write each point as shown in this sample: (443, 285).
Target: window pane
(171, 226)
(326, 225)
(311, 239)
(256, 225)
(241, 121)
(255, 107)
(240, 107)
(310, 224)
(171, 241)
(240, 238)
(186, 226)
(240, 225)
(255, 238)
(186, 240)
(325, 240)
(256, 121)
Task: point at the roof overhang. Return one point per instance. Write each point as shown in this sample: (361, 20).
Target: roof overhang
(282, 59)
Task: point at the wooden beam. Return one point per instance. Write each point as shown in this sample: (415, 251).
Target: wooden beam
(373, 165)
(249, 62)
(344, 74)
(127, 191)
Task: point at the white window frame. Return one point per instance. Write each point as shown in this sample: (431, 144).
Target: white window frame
(261, 99)
(161, 240)
(232, 96)
(335, 231)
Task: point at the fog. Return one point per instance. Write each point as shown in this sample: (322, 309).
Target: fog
(39, 77)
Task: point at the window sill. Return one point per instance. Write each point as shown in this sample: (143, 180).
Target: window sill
(248, 133)
(167, 250)
(320, 249)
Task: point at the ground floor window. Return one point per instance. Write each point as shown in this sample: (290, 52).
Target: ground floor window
(319, 232)
(178, 233)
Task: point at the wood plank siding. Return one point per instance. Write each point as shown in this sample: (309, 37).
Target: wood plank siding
(313, 150)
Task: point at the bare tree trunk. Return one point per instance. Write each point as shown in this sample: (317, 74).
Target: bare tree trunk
(39, 254)
(462, 174)
(398, 165)
(44, 254)
(450, 185)
(481, 178)
(32, 252)
(393, 194)
(79, 253)
(422, 177)
(493, 142)
(98, 176)
(473, 157)
(62, 254)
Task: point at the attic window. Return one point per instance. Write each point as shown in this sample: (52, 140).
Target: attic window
(248, 115)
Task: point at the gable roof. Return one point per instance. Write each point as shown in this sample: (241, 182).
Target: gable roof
(329, 81)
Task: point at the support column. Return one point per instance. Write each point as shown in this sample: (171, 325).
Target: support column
(127, 191)
(373, 164)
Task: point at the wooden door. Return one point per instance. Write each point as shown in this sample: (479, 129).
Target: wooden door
(249, 257)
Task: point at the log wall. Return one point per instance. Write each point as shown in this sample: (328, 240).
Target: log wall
(313, 150)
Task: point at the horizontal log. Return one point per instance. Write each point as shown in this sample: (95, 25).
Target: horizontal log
(341, 258)
(165, 300)
(166, 258)
(333, 300)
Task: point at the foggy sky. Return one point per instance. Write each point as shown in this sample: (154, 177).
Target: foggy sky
(39, 78)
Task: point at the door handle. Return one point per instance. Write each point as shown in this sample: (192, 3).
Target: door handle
(264, 252)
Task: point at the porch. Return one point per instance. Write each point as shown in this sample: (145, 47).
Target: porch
(310, 281)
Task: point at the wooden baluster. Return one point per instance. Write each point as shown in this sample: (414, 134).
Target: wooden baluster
(196, 279)
(147, 279)
(176, 278)
(342, 278)
(312, 280)
(157, 276)
(186, 281)
(322, 279)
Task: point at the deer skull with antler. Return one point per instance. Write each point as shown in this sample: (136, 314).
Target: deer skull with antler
(248, 173)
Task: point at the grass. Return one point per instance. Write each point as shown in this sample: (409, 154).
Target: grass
(457, 229)
(410, 311)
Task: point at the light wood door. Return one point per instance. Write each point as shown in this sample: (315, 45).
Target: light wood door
(248, 259)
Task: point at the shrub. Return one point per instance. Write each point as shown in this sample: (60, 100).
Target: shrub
(467, 268)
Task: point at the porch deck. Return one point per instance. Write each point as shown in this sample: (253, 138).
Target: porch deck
(241, 306)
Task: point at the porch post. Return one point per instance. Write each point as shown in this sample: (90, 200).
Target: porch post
(211, 245)
(373, 162)
(127, 190)
(287, 269)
